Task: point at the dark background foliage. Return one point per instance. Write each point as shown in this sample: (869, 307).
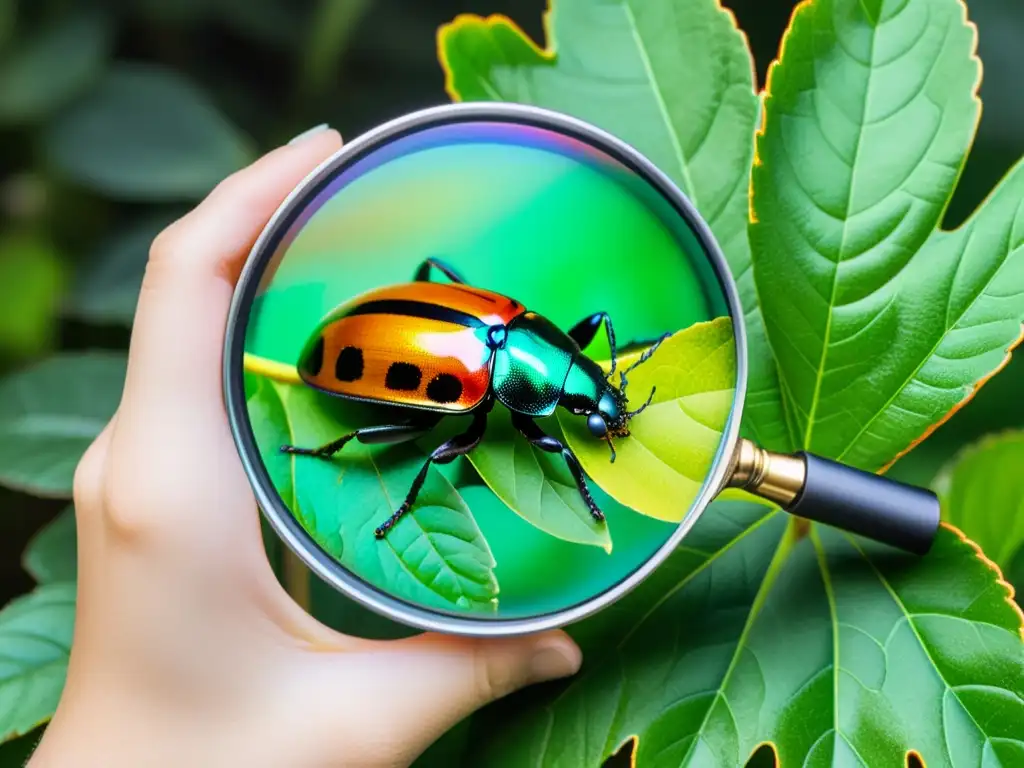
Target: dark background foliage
(273, 68)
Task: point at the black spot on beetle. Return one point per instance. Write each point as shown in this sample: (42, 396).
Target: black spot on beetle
(315, 358)
(349, 365)
(403, 377)
(444, 388)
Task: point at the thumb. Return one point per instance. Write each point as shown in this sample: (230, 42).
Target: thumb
(430, 682)
(467, 673)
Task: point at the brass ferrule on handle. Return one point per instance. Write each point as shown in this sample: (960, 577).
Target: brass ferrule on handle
(773, 476)
(825, 491)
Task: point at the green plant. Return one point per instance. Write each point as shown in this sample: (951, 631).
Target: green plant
(880, 324)
(986, 476)
(869, 324)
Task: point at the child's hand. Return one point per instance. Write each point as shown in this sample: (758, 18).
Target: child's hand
(186, 650)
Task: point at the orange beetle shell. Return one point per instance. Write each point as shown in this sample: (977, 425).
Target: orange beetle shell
(420, 345)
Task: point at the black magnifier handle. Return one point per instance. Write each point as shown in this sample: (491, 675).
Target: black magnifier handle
(825, 491)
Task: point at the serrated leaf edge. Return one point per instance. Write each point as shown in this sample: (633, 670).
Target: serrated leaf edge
(1008, 589)
(464, 20)
(789, 538)
(549, 52)
(766, 97)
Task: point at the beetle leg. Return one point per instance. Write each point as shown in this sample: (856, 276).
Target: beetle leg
(546, 442)
(443, 454)
(585, 330)
(423, 271)
(386, 433)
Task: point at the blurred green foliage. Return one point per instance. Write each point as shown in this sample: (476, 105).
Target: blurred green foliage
(119, 115)
(116, 115)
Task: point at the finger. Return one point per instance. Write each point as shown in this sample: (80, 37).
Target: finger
(414, 690)
(177, 338)
(174, 472)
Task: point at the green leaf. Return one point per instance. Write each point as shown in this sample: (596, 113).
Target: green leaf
(835, 651)
(146, 133)
(1014, 575)
(31, 281)
(982, 494)
(534, 484)
(270, 426)
(52, 554)
(273, 22)
(333, 25)
(35, 641)
(8, 21)
(181, 13)
(54, 66)
(108, 288)
(882, 323)
(434, 555)
(674, 79)
(662, 466)
(16, 752)
(50, 412)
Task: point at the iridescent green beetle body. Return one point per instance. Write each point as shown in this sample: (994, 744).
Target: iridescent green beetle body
(448, 349)
(531, 367)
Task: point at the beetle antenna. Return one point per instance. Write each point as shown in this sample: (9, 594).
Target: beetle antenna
(611, 446)
(650, 397)
(646, 355)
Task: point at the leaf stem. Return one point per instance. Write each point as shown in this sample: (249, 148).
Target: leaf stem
(271, 369)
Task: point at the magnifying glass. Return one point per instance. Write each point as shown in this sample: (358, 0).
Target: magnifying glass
(485, 368)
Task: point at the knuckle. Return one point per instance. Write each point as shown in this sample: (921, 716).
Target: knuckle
(127, 515)
(163, 255)
(120, 515)
(166, 242)
(134, 496)
(87, 483)
(177, 253)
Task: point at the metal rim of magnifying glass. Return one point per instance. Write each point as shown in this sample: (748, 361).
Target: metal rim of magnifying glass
(273, 508)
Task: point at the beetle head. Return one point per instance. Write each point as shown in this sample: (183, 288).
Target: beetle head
(610, 418)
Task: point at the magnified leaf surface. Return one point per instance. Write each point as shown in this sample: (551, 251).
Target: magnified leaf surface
(660, 469)
(435, 554)
(534, 484)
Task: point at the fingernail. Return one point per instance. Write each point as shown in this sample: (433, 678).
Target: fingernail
(555, 657)
(311, 132)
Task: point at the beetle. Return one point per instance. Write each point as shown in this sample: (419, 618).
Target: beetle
(440, 349)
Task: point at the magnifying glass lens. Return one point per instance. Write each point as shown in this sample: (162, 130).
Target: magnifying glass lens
(491, 369)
